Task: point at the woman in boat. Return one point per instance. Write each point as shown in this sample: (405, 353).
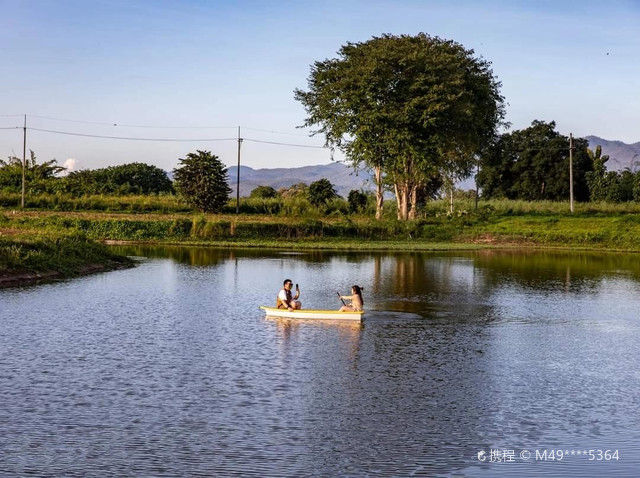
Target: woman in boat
(357, 303)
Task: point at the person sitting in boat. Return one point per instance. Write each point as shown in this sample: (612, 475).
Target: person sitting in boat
(286, 300)
(356, 300)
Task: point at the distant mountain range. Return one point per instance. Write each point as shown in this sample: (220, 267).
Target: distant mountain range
(621, 155)
(343, 177)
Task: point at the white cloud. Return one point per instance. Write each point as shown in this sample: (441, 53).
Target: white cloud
(70, 164)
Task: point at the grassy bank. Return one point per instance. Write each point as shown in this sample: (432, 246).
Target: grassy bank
(514, 224)
(27, 257)
(297, 207)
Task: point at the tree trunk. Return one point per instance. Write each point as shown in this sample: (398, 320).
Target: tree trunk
(451, 201)
(413, 211)
(379, 195)
(402, 196)
(398, 200)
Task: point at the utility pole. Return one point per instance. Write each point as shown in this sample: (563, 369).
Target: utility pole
(238, 175)
(571, 172)
(24, 157)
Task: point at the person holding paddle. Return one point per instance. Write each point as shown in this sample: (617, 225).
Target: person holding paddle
(356, 300)
(286, 300)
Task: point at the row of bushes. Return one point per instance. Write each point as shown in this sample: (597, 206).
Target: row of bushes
(296, 206)
(202, 228)
(107, 203)
(300, 207)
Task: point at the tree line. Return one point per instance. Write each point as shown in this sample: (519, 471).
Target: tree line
(132, 178)
(533, 164)
(201, 179)
(528, 164)
(420, 111)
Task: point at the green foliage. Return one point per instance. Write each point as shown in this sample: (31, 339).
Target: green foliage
(264, 192)
(533, 164)
(321, 192)
(64, 254)
(38, 176)
(611, 186)
(413, 106)
(132, 178)
(357, 201)
(202, 180)
(598, 180)
(65, 202)
(495, 222)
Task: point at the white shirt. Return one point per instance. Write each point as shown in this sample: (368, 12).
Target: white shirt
(282, 295)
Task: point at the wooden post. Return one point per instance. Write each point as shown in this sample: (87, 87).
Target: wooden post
(24, 158)
(571, 172)
(238, 175)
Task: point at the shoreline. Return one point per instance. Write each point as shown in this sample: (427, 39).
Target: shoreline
(11, 279)
(372, 246)
(44, 246)
(33, 257)
(21, 278)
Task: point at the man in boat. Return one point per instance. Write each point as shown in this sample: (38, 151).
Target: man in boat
(286, 300)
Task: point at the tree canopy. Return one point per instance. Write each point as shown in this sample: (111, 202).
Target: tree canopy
(321, 192)
(263, 192)
(131, 178)
(533, 164)
(407, 106)
(202, 180)
(37, 175)
(357, 201)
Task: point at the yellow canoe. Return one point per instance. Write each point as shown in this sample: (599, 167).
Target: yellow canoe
(312, 314)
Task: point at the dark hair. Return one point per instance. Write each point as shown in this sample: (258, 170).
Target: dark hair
(358, 290)
(287, 280)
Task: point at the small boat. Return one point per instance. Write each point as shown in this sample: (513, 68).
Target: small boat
(312, 314)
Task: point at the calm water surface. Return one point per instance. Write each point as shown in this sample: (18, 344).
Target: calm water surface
(169, 369)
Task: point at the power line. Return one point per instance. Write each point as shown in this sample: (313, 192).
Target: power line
(131, 138)
(275, 132)
(183, 140)
(285, 144)
(104, 123)
(127, 125)
(196, 140)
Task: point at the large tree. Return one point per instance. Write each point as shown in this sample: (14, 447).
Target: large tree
(202, 180)
(533, 164)
(321, 192)
(409, 107)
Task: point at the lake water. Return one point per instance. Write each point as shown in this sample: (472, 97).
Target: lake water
(170, 369)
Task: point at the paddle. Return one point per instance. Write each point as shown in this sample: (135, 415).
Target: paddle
(343, 302)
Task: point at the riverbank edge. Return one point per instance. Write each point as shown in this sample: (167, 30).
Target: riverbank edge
(22, 278)
(373, 246)
(30, 257)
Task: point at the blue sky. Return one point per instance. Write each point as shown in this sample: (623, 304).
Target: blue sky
(207, 63)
